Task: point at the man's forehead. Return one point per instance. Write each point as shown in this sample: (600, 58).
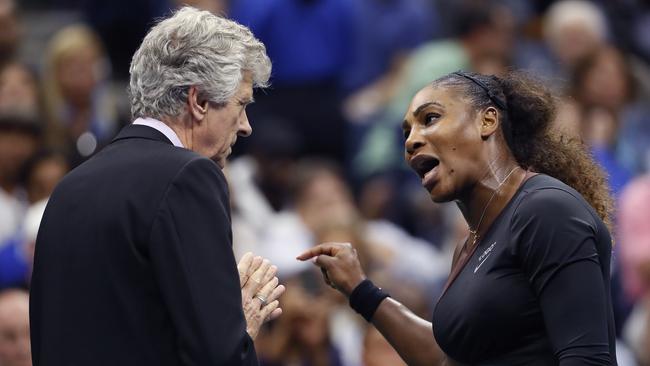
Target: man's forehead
(245, 94)
(245, 90)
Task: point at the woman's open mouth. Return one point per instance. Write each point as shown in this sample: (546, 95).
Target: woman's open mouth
(426, 167)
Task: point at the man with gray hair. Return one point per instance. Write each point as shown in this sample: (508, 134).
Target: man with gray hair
(133, 262)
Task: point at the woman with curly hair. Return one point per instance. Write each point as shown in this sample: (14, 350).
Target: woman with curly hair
(530, 285)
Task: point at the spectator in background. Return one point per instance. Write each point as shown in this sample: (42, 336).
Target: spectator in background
(121, 25)
(634, 249)
(615, 121)
(17, 256)
(81, 113)
(634, 237)
(302, 335)
(42, 173)
(319, 195)
(19, 140)
(14, 329)
(309, 42)
(9, 30)
(19, 90)
(272, 153)
(576, 29)
(573, 29)
(39, 176)
(384, 33)
(323, 207)
(630, 25)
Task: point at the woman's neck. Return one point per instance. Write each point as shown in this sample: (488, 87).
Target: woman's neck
(489, 196)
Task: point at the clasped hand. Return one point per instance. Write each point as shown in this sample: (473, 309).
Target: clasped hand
(260, 292)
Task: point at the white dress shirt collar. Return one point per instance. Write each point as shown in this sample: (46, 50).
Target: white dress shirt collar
(162, 128)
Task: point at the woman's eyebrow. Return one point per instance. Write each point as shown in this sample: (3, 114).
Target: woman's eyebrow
(425, 105)
(405, 125)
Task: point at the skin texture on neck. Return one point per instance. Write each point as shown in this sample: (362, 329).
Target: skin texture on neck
(181, 125)
(490, 196)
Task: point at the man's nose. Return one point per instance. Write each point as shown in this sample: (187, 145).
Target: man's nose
(245, 128)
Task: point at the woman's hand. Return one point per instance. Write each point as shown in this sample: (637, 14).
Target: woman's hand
(260, 292)
(339, 263)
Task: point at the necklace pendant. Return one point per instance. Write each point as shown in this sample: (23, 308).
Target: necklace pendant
(474, 240)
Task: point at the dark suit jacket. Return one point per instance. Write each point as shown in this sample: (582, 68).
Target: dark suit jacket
(134, 262)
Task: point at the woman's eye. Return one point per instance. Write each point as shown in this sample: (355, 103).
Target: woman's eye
(430, 118)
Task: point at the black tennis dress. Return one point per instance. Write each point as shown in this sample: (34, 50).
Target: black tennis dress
(536, 289)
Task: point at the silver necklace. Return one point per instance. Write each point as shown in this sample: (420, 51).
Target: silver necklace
(480, 220)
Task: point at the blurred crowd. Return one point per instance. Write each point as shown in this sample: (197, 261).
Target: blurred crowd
(325, 162)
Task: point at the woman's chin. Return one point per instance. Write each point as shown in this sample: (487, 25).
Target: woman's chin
(440, 197)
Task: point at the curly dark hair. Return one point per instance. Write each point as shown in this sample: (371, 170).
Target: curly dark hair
(528, 108)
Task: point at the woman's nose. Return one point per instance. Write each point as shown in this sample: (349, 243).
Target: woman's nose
(413, 142)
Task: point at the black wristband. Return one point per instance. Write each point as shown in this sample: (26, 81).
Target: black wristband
(365, 299)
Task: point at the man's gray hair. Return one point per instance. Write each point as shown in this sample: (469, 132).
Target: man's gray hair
(193, 48)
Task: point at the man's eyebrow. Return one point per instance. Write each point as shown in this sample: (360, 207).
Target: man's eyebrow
(425, 105)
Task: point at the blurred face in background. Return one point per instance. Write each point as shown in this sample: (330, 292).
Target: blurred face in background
(324, 197)
(573, 29)
(18, 90)
(16, 146)
(78, 73)
(14, 329)
(306, 310)
(496, 40)
(605, 82)
(44, 177)
(9, 29)
(573, 42)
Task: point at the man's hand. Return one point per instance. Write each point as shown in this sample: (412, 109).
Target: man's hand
(260, 292)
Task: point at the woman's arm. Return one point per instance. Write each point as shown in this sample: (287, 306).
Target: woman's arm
(411, 336)
(568, 271)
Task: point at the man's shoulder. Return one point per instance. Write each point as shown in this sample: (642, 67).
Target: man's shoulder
(133, 165)
(143, 155)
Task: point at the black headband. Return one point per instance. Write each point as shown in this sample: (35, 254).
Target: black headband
(493, 97)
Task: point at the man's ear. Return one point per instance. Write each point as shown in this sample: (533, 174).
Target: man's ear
(489, 122)
(198, 108)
